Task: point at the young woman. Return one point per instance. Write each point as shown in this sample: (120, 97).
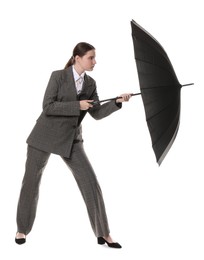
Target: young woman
(68, 97)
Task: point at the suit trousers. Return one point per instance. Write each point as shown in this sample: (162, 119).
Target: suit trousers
(86, 180)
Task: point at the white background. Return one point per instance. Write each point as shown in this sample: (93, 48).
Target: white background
(154, 212)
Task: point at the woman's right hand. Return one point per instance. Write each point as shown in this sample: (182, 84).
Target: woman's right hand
(85, 104)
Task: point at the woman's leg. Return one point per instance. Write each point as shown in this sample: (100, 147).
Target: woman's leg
(27, 205)
(90, 189)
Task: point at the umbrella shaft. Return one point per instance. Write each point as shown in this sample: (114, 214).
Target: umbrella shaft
(110, 99)
(136, 94)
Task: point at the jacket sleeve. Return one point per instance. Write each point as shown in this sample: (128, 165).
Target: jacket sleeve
(100, 111)
(51, 106)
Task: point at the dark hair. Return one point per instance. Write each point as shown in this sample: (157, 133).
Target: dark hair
(80, 49)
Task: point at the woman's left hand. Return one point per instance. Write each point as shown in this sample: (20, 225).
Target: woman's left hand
(123, 98)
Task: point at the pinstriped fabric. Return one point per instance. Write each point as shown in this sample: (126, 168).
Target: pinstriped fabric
(28, 200)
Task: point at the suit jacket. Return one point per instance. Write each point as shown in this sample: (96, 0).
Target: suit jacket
(58, 126)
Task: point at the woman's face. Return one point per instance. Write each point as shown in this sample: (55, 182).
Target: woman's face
(87, 62)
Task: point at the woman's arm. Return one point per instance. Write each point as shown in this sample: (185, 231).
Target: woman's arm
(100, 111)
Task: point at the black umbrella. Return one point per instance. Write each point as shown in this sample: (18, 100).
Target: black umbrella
(160, 90)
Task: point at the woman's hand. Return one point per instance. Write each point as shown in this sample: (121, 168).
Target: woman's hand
(123, 98)
(85, 104)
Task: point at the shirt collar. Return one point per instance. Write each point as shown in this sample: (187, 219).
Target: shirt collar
(76, 75)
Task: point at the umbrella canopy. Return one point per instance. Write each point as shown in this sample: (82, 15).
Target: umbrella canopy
(160, 90)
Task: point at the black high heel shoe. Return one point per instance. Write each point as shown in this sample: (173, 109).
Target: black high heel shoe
(102, 241)
(20, 241)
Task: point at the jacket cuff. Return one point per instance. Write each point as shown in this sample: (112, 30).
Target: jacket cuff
(118, 104)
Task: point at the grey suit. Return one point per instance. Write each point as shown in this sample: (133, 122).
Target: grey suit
(58, 131)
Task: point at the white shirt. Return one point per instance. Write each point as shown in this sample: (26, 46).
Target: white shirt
(79, 80)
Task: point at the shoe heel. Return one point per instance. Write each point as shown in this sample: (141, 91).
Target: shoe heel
(101, 241)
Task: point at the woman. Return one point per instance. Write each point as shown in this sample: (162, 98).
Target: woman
(68, 97)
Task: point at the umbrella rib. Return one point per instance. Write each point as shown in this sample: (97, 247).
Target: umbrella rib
(148, 62)
(149, 118)
(165, 128)
(164, 55)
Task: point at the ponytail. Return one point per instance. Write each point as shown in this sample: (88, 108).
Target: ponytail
(70, 62)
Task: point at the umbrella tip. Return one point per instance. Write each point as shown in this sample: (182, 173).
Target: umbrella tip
(189, 84)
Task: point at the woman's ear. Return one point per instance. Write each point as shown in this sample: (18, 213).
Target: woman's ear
(77, 58)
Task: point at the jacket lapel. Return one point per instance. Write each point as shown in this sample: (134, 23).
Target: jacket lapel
(69, 78)
(87, 89)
